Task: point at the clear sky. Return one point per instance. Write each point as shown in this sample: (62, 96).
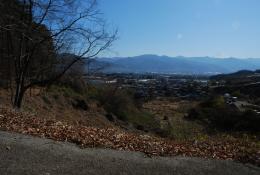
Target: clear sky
(217, 28)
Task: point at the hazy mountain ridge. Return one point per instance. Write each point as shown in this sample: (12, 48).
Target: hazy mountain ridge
(183, 65)
(242, 74)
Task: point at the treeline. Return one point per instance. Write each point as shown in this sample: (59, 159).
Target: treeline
(41, 41)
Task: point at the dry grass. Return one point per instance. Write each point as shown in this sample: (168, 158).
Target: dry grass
(57, 104)
(171, 113)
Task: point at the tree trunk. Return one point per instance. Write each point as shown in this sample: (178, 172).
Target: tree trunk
(19, 94)
(18, 99)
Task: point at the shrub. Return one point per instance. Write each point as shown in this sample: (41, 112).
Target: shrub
(216, 115)
(57, 90)
(77, 84)
(237, 93)
(46, 100)
(214, 102)
(123, 105)
(80, 104)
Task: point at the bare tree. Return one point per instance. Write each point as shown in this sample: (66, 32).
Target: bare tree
(42, 30)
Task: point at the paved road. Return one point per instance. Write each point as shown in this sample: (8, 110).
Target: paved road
(21, 155)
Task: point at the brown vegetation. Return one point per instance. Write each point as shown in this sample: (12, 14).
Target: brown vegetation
(57, 103)
(225, 148)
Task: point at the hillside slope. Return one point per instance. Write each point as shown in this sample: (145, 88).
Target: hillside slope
(115, 138)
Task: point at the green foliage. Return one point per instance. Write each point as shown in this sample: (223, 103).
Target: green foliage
(46, 100)
(219, 116)
(63, 90)
(76, 83)
(214, 102)
(143, 119)
(237, 93)
(56, 96)
(124, 106)
(92, 92)
(182, 129)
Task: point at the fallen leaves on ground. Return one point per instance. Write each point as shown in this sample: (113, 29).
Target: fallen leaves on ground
(233, 149)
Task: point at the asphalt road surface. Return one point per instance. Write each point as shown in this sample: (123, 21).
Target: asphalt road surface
(22, 155)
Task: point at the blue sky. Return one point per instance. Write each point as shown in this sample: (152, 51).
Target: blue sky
(217, 28)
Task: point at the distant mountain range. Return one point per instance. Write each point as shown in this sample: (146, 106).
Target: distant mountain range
(243, 74)
(175, 65)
